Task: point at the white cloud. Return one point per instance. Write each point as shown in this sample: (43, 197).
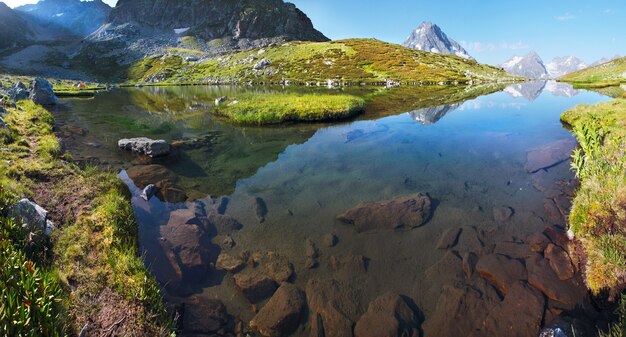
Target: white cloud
(480, 47)
(565, 17)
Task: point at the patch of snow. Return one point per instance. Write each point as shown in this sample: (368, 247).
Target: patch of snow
(512, 62)
(58, 15)
(435, 50)
(181, 30)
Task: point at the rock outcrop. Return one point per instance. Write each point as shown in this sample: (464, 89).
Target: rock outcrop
(229, 24)
(146, 146)
(429, 37)
(14, 30)
(389, 315)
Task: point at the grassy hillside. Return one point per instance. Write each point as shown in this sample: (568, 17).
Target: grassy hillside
(352, 61)
(606, 74)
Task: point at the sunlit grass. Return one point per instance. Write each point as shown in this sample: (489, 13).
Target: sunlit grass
(283, 107)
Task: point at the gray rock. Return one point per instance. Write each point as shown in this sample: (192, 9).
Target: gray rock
(147, 146)
(3, 125)
(191, 59)
(31, 214)
(264, 63)
(19, 92)
(148, 192)
(552, 332)
(41, 92)
(220, 100)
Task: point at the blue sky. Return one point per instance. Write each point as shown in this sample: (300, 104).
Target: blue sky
(491, 30)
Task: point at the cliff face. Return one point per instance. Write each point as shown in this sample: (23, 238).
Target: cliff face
(14, 30)
(219, 19)
(76, 17)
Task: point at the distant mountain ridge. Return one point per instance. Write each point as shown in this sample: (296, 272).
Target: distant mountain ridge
(227, 24)
(564, 65)
(78, 17)
(531, 65)
(429, 37)
(14, 30)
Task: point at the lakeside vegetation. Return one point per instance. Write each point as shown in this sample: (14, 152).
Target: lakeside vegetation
(275, 108)
(89, 271)
(352, 61)
(604, 75)
(598, 215)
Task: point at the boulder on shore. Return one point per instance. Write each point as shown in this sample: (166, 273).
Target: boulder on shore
(408, 212)
(32, 215)
(149, 147)
(41, 92)
(18, 92)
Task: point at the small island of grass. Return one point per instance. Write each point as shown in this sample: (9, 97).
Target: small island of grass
(276, 108)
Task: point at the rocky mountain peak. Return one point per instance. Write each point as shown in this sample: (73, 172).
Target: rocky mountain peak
(262, 21)
(531, 65)
(564, 65)
(429, 37)
(77, 17)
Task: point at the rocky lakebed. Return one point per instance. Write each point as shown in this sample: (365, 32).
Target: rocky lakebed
(443, 221)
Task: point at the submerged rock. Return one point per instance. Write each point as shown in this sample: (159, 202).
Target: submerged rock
(41, 92)
(334, 306)
(560, 262)
(30, 214)
(502, 271)
(149, 147)
(408, 212)
(282, 314)
(255, 284)
(549, 154)
(260, 208)
(229, 263)
(389, 315)
(204, 315)
(163, 178)
(502, 214)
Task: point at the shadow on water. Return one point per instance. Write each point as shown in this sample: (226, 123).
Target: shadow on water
(261, 204)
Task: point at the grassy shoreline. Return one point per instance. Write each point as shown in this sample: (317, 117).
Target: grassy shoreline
(91, 263)
(598, 215)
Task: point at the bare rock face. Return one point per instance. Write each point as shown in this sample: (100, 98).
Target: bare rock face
(389, 315)
(408, 212)
(282, 314)
(237, 23)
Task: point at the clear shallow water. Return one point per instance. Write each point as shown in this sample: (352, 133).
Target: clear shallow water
(469, 157)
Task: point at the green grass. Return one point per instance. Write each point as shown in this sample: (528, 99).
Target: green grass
(278, 108)
(603, 75)
(353, 61)
(598, 216)
(53, 286)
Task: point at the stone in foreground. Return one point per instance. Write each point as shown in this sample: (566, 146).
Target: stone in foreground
(32, 215)
(146, 146)
(403, 212)
(282, 314)
(41, 92)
